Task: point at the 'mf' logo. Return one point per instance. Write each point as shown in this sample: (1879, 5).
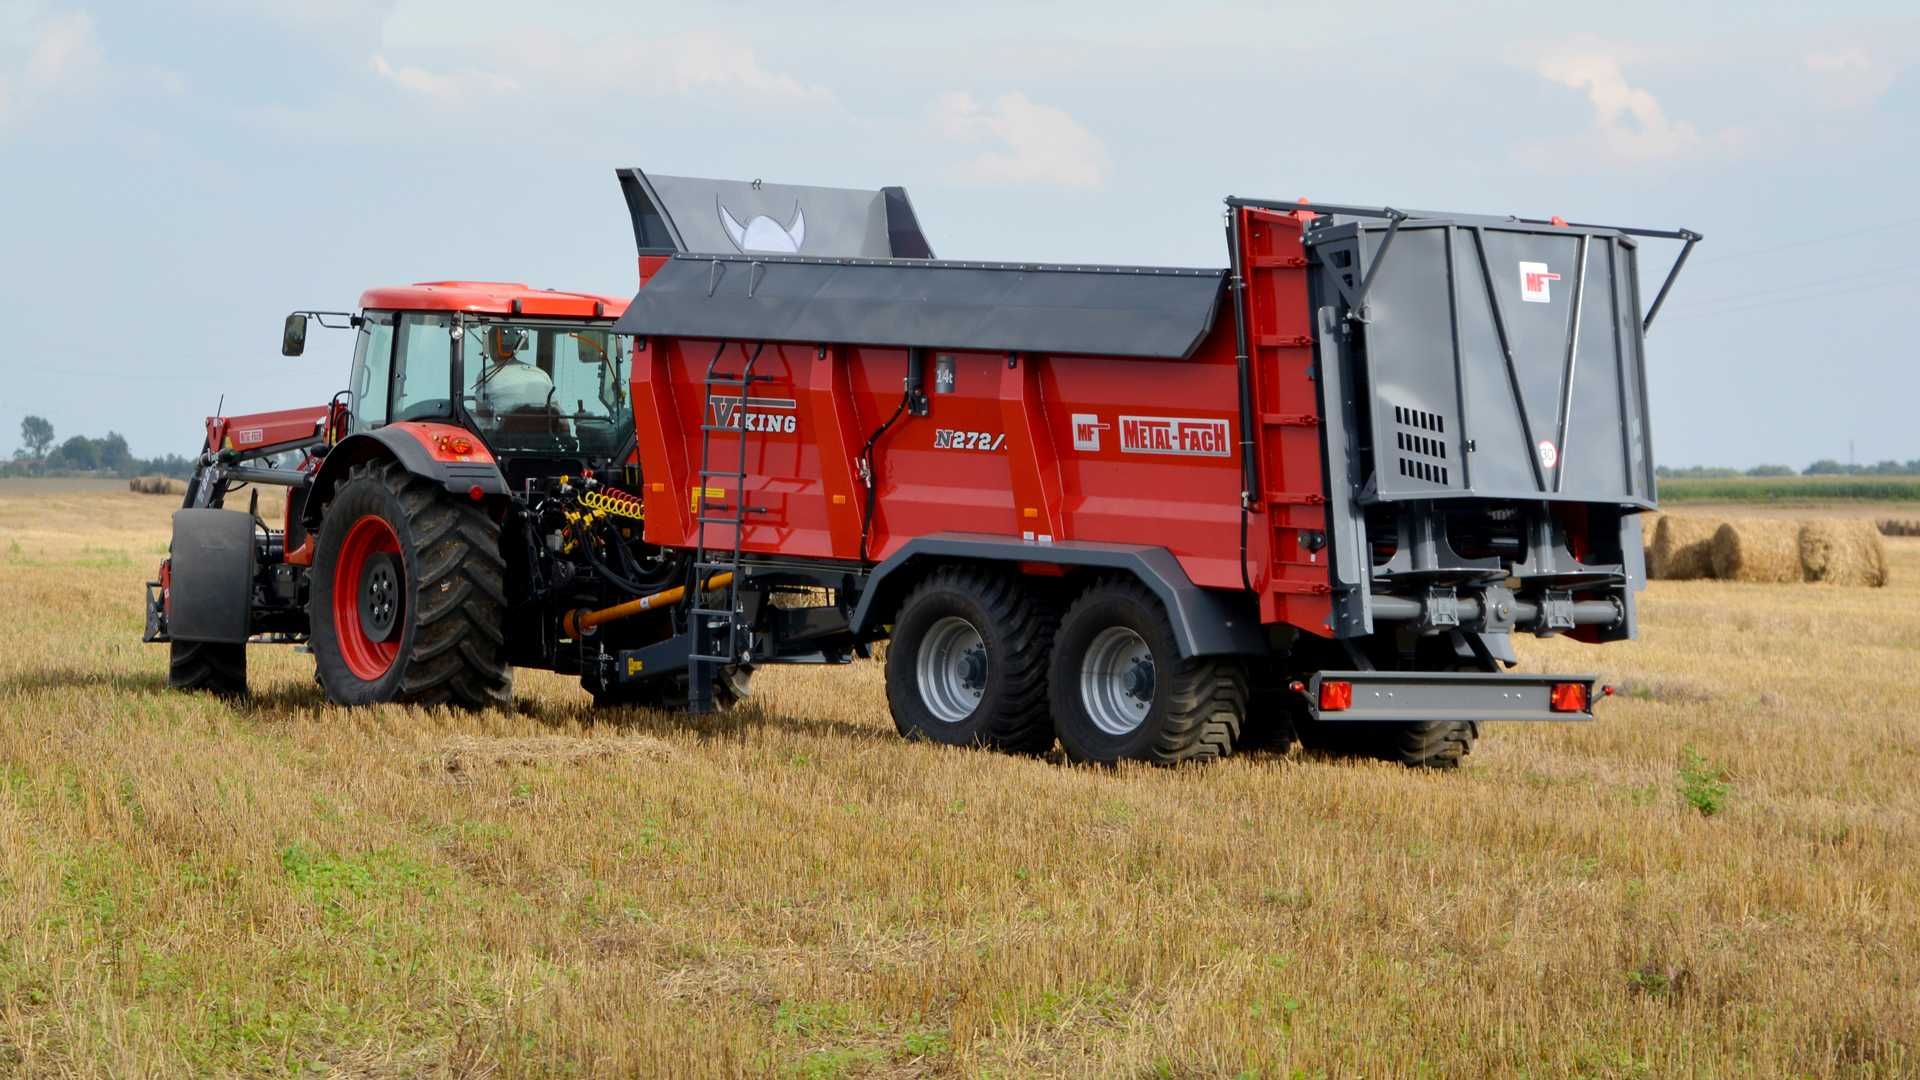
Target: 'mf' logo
(1534, 279)
(1174, 435)
(1086, 431)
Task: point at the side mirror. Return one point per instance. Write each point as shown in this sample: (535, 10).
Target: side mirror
(293, 339)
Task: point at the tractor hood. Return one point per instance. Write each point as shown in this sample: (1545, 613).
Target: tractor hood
(727, 217)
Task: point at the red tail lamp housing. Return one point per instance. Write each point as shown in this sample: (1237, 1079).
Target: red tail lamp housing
(1336, 695)
(1568, 697)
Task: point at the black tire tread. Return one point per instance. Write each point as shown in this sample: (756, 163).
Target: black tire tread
(1206, 696)
(458, 604)
(1026, 624)
(217, 667)
(1434, 744)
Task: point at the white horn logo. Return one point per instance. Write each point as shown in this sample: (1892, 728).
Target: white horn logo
(762, 233)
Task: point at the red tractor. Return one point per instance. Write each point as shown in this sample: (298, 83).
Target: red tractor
(1146, 513)
(389, 561)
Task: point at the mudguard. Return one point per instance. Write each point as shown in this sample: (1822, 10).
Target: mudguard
(212, 576)
(1206, 622)
(423, 449)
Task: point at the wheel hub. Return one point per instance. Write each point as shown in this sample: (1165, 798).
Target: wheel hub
(379, 597)
(368, 597)
(1138, 681)
(973, 669)
(952, 669)
(1117, 680)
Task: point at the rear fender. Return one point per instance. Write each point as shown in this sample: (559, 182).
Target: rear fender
(425, 450)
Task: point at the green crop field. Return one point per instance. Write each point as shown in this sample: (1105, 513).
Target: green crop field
(1790, 489)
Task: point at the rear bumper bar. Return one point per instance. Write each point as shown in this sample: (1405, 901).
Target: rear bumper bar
(1424, 696)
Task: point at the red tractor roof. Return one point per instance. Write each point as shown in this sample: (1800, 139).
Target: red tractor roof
(491, 298)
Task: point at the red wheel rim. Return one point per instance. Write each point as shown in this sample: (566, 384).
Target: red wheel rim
(367, 658)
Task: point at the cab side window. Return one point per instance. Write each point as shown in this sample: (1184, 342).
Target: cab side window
(372, 361)
(423, 368)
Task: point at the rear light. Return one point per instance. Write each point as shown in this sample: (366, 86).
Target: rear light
(476, 493)
(1335, 696)
(1568, 697)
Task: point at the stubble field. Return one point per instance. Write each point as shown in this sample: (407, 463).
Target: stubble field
(189, 887)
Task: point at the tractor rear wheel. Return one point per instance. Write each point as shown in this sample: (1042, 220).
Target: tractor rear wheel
(1122, 691)
(408, 601)
(967, 664)
(218, 667)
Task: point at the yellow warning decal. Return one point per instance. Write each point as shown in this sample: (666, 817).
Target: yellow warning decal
(633, 667)
(693, 499)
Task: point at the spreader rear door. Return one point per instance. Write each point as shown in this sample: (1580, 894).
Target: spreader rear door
(1490, 359)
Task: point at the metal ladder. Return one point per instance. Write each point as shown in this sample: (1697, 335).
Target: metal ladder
(717, 633)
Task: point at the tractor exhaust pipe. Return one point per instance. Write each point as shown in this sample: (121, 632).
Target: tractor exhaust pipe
(580, 621)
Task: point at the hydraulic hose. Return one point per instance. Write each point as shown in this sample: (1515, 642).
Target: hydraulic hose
(873, 486)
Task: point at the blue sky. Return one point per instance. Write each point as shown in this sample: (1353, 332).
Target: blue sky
(176, 177)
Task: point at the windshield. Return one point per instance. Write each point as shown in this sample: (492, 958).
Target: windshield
(547, 387)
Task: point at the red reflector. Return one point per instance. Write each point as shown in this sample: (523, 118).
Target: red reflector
(1335, 696)
(1568, 697)
(1297, 686)
(476, 493)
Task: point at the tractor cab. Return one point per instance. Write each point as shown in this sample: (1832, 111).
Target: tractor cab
(538, 376)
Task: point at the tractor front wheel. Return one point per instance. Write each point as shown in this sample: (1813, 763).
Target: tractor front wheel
(217, 667)
(408, 601)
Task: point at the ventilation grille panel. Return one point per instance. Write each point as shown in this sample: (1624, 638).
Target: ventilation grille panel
(1419, 436)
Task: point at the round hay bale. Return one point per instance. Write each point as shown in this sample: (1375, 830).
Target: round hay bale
(1843, 551)
(1682, 548)
(1758, 549)
(154, 485)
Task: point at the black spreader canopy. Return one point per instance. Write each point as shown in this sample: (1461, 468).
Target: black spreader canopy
(1001, 307)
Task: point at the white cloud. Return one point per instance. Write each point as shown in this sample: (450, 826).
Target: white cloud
(1849, 76)
(1629, 123)
(53, 57)
(455, 86)
(1038, 144)
(681, 64)
(696, 61)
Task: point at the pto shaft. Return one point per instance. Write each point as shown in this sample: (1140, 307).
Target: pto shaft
(577, 622)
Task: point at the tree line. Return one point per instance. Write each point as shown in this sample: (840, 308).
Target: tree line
(1823, 467)
(41, 453)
